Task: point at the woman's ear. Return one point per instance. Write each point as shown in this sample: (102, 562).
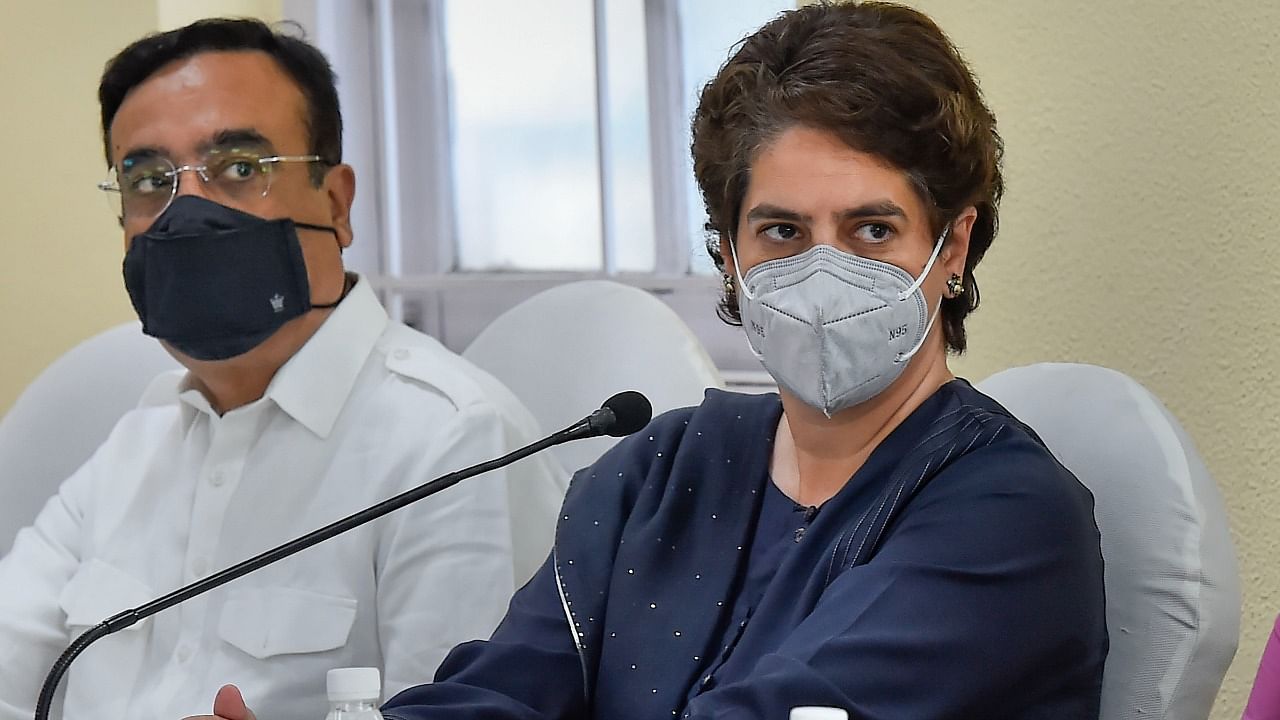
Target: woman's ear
(726, 256)
(955, 251)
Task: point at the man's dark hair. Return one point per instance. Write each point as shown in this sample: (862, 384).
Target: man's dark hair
(301, 61)
(885, 80)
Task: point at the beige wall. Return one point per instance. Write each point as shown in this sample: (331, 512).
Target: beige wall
(60, 279)
(1141, 228)
(176, 13)
(60, 282)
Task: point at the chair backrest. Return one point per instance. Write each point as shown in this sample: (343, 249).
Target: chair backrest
(66, 413)
(1173, 590)
(1264, 699)
(567, 349)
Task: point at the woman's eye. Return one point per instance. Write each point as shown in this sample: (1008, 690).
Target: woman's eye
(874, 233)
(780, 233)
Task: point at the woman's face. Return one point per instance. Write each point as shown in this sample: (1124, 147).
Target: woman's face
(809, 188)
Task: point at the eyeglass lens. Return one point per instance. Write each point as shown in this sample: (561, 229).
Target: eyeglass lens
(148, 185)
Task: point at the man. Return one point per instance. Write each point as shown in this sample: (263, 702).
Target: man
(301, 404)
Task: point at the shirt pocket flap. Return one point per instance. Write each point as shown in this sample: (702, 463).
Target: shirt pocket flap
(98, 590)
(280, 621)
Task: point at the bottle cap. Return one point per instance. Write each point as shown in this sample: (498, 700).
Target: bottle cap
(818, 713)
(351, 684)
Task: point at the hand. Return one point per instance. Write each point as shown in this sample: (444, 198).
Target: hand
(228, 704)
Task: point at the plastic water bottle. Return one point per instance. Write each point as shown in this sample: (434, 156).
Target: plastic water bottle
(818, 713)
(353, 693)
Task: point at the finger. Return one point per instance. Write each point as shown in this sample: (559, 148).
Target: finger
(229, 704)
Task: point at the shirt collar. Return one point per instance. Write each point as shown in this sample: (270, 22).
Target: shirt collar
(313, 386)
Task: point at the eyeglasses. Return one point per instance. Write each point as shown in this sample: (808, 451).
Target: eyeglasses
(147, 185)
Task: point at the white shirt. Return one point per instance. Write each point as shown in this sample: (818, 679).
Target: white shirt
(365, 410)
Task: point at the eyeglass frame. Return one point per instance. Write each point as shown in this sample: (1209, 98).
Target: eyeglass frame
(112, 184)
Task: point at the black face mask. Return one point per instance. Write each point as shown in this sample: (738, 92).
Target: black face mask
(215, 282)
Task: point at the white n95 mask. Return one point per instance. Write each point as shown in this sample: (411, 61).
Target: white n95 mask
(832, 328)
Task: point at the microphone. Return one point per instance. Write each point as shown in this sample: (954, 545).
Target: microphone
(620, 415)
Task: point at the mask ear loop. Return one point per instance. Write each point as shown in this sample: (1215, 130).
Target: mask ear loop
(903, 357)
(742, 288)
(737, 270)
(346, 283)
(937, 248)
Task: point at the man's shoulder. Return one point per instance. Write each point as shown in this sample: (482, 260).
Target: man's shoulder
(427, 366)
(163, 390)
(157, 408)
(424, 362)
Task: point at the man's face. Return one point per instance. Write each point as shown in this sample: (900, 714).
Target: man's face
(218, 103)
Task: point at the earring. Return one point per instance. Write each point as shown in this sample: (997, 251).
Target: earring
(955, 285)
(728, 285)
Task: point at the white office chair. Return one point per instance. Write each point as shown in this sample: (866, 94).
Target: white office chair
(1173, 590)
(66, 413)
(567, 349)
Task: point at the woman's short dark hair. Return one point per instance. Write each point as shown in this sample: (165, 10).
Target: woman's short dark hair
(301, 61)
(883, 78)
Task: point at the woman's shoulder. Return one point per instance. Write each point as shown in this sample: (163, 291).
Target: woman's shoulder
(720, 406)
(678, 441)
(721, 413)
(993, 451)
(965, 412)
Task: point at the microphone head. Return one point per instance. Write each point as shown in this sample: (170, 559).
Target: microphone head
(631, 411)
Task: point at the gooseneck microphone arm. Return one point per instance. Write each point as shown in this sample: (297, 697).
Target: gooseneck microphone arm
(621, 414)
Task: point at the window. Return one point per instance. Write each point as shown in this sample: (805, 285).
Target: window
(507, 146)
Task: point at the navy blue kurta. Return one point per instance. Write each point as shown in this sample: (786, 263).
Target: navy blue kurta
(957, 575)
(780, 529)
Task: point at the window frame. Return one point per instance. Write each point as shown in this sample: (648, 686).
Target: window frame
(390, 58)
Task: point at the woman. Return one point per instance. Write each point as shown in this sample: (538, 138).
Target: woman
(879, 536)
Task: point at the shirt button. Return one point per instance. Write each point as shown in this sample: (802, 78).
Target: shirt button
(400, 354)
(217, 478)
(184, 654)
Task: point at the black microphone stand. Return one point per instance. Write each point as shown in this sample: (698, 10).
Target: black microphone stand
(600, 422)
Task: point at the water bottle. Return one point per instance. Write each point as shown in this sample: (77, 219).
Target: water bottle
(353, 693)
(818, 713)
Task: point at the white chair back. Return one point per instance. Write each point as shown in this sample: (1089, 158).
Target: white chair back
(1173, 590)
(567, 349)
(66, 413)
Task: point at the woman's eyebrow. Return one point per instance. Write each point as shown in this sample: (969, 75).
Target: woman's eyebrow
(879, 208)
(773, 212)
